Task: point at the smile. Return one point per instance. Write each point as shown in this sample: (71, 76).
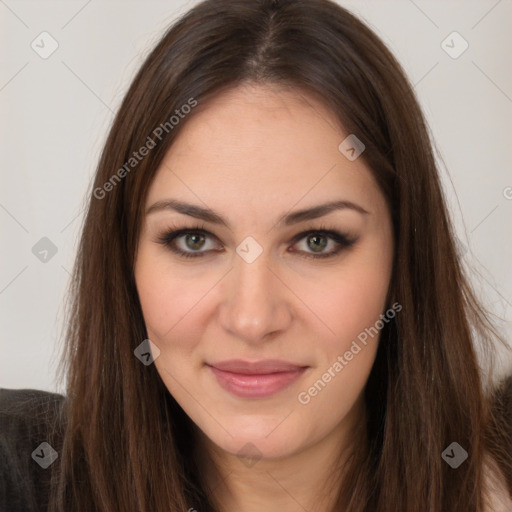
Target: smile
(256, 380)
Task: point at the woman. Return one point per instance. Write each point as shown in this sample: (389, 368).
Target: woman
(268, 311)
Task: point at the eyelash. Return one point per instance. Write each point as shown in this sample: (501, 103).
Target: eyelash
(343, 241)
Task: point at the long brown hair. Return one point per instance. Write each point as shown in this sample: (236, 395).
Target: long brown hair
(127, 445)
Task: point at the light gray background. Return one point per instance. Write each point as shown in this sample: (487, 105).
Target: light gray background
(55, 113)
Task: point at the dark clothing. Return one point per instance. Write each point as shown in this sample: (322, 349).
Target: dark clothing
(27, 419)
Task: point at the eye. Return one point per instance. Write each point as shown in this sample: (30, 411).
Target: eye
(315, 243)
(188, 242)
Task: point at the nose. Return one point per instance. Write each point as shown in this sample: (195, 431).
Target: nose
(255, 303)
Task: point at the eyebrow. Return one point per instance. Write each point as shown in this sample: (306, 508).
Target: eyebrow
(287, 219)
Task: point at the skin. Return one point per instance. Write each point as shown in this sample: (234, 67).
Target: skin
(253, 154)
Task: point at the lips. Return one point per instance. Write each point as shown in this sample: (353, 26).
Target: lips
(258, 379)
(256, 368)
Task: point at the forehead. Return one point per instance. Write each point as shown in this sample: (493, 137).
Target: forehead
(261, 143)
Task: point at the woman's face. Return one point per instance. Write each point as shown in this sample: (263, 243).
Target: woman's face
(254, 168)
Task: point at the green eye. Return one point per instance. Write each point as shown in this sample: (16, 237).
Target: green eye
(193, 243)
(317, 243)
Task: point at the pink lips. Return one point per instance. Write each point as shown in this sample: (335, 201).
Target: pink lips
(255, 380)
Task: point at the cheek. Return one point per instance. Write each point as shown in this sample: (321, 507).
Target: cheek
(352, 307)
(346, 352)
(348, 300)
(354, 303)
(168, 301)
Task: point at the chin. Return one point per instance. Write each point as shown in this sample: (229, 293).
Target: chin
(258, 443)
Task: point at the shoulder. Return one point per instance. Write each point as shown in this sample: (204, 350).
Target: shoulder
(14, 400)
(498, 463)
(28, 419)
(496, 490)
(27, 413)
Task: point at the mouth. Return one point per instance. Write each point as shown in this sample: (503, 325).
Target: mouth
(258, 379)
